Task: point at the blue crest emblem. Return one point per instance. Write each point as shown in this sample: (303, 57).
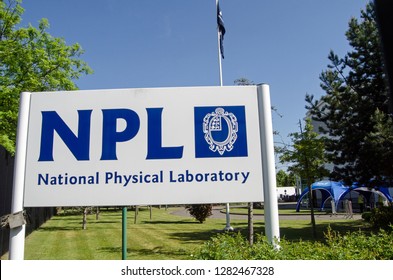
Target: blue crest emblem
(220, 128)
(220, 131)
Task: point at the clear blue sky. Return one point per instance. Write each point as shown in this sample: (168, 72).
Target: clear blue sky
(173, 43)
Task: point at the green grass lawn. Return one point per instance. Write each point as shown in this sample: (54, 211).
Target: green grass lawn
(164, 236)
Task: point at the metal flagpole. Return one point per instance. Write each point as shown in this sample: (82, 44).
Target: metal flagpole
(219, 44)
(220, 34)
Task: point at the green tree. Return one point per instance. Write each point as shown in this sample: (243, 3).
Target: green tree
(380, 141)
(31, 60)
(307, 155)
(354, 111)
(285, 179)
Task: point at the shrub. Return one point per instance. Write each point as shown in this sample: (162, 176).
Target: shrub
(360, 246)
(352, 246)
(366, 216)
(200, 211)
(382, 217)
(233, 246)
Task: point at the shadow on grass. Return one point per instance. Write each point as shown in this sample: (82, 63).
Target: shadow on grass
(156, 252)
(104, 222)
(169, 222)
(69, 218)
(305, 233)
(288, 232)
(54, 228)
(194, 237)
(148, 254)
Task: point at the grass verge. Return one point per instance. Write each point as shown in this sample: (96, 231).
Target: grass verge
(164, 236)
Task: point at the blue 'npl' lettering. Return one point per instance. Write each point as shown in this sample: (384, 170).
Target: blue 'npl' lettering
(154, 138)
(78, 145)
(110, 136)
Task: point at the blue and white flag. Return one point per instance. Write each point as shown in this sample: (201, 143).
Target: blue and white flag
(221, 28)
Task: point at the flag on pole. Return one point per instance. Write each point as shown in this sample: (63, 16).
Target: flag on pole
(221, 28)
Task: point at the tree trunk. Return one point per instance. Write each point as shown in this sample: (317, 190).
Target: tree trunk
(84, 220)
(311, 199)
(251, 223)
(136, 213)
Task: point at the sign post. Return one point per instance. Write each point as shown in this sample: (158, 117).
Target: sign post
(272, 229)
(124, 233)
(17, 234)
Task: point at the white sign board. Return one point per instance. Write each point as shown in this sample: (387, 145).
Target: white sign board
(143, 146)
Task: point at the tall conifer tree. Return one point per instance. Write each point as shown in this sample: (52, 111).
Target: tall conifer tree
(355, 110)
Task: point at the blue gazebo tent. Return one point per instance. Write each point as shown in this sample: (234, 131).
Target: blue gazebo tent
(337, 191)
